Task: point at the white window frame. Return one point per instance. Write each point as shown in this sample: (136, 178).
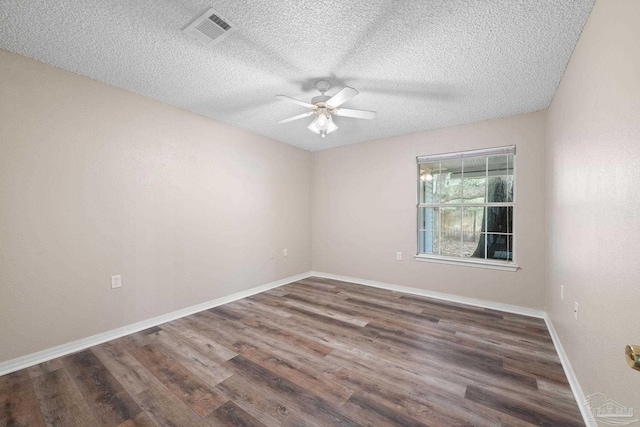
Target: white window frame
(471, 262)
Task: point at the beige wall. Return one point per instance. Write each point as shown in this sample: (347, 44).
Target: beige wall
(364, 210)
(594, 201)
(96, 181)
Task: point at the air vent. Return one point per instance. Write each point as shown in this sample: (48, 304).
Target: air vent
(209, 28)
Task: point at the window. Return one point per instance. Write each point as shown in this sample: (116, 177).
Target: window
(466, 206)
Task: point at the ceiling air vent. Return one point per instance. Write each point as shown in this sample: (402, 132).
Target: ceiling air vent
(209, 28)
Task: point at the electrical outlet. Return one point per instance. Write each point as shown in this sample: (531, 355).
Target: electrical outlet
(272, 254)
(285, 252)
(398, 256)
(116, 281)
(575, 310)
(562, 292)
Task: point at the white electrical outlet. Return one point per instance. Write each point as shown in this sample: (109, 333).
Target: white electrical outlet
(116, 281)
(272, 254)
(575, 310)
(562, 292)
(398, 256)
(285, 252)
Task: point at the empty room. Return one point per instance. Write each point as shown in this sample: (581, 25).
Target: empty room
(319, 213)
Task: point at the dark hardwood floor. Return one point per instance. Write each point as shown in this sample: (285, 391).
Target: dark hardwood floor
(317, 352)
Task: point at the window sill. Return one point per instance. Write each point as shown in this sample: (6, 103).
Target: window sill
(467, 262)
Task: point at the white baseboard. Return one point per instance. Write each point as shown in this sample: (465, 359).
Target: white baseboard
(84, 343)
(437, 295)
(571, 375)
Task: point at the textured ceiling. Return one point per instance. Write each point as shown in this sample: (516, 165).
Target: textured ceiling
(420, 64)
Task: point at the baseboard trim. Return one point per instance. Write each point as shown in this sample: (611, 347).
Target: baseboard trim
(578, 394)
(437, 295)
(84, 343)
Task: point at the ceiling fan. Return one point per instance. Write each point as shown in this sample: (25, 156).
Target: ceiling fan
(325, 107)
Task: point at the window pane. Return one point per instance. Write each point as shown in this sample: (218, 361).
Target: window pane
(429, 223)
(500, 219)
(427, 245)
(449, 181)
(470, 244)
(474, 189)
(450, 232)
(472, 219)
(450, 189)
(425, 190)
(474, 179)
(438, 182)
(500, 189)
(500, 183)
(426, 183)
(436, 243)
(428, 219)
(500, 246)
(437, 219)
(501, 165)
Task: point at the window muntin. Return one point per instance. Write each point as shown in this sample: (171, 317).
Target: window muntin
(466, 206)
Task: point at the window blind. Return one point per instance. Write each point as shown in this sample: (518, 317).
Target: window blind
(511, 149)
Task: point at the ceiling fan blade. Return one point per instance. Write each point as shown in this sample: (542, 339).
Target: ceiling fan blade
(299, 116)
(295, 101)
(341, 97)
(357, 114)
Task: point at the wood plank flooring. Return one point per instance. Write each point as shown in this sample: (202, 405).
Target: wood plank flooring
(316, 352)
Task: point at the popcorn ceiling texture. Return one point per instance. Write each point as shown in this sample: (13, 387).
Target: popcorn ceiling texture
(420, 64)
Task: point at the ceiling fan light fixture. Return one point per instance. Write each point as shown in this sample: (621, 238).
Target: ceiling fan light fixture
(321, 121)
(323, 130)
(313, 127)
(331, 126)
